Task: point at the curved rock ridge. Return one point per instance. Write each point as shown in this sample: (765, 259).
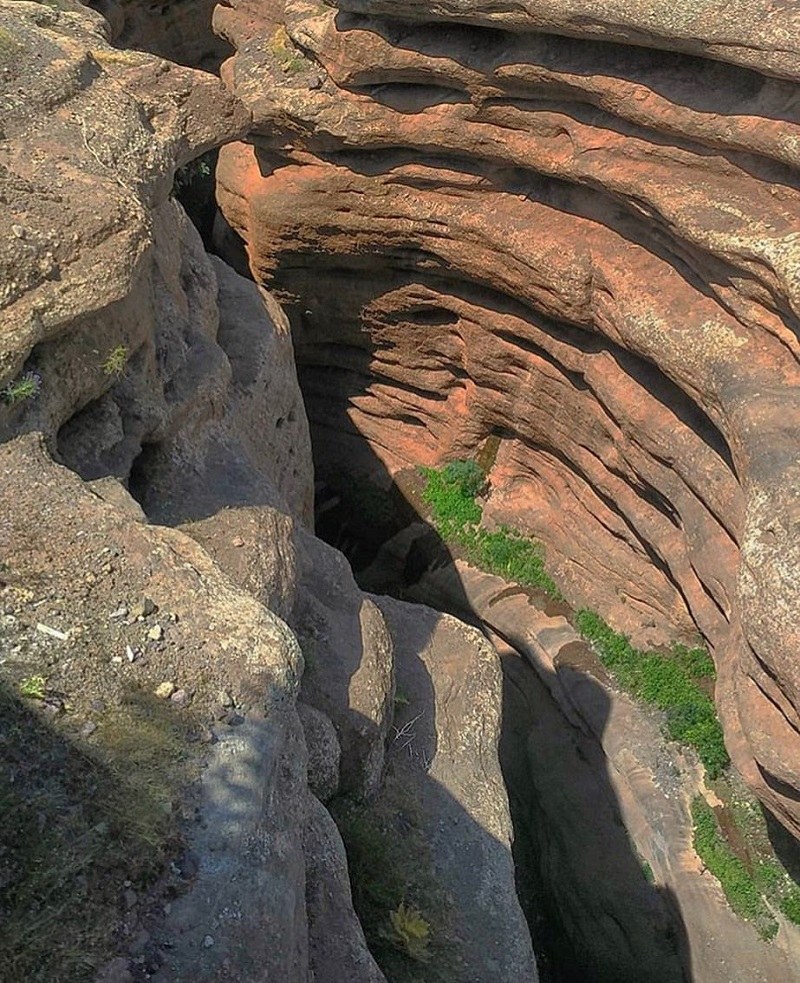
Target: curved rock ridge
(499, 221)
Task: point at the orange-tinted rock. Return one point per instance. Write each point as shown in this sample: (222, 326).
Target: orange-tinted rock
(585, 249)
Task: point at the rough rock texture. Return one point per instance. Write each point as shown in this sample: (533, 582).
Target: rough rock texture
(580, 243)
(350, 661)
(445, 747)
(179, 30)
(201, 418)
(166, 383)
(592, 776)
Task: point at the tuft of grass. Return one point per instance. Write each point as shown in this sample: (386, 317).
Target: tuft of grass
(456, 516)
(80, 826)
(33, 687)
(410, 931)
(401, 906)
(26, 387)
(735, 880)
(667, 681)
(116, 361)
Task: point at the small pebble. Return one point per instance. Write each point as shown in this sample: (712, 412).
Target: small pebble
(156, 633)
(165, 690)
(120, 612)
(208, 941)
(142, 608)
(88, 728)
(237, 541)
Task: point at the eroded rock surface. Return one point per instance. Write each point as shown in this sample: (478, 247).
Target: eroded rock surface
(573, 233)
(156, 576)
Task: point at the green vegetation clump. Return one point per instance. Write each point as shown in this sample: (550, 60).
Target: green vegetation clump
(289, 58)
(456, 515)
(736, 881)
(667, 681)
(116, 361)
(790, 906)
(33, 687)
(26, 387)
(401, 907)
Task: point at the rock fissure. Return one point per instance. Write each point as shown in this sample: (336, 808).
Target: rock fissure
(547, 245)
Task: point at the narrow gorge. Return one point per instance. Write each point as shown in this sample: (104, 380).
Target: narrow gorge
(400, 485)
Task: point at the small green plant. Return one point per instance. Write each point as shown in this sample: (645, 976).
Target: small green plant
(410, 932)
(187, 175)
(27, 386)
(400, 699)
(790, 906)
(33, 687)
(289, 58)
(116, 361)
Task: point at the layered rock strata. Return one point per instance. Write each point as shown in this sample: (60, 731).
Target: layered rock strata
(572, 234)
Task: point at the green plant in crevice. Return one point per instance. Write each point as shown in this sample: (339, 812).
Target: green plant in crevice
(27, 386)
(115, 362)
(450, 493)
(735, 880)
(196, 170)
(410, 932)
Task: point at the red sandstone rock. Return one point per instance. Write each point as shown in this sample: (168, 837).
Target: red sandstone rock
(587, 250)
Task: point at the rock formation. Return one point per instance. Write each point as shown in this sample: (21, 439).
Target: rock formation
(160, 582)
(571, 232)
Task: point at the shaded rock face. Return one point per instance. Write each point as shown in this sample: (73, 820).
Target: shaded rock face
(573, 232)
(179, 30)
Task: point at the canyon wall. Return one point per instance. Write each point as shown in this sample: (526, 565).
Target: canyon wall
(569, 235)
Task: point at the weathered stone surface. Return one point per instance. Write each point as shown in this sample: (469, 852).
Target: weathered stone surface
(324, 753)
(92, 133)
(349, 663)
(444, 759)
(585, 250)
(74, 557)
(761, 34)
(237, 433)
(179, 30)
